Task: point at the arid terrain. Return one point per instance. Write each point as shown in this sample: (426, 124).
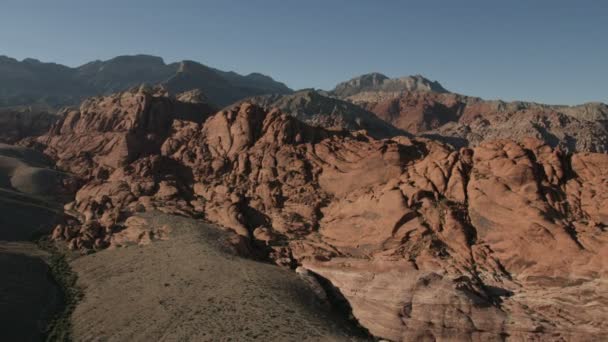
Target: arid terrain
(193, 286)
(385, 209)
(30, 296)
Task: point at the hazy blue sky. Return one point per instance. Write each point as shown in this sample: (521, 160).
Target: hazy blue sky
(547, 51)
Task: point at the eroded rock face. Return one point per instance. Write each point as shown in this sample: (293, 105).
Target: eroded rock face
(108, 132)
(467, 121)
(317, 109)
(504, 240)
(102, 207)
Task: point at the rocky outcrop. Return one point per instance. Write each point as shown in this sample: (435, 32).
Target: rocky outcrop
(467, 121)
(108, 132)
(316, 109)
(505, 240)
(113, 145)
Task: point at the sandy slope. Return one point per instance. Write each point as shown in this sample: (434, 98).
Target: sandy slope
(29, 196)
(191, 288)
(29, 172)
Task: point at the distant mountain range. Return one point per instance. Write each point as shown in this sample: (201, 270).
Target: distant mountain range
(382, 106)
(32, 82)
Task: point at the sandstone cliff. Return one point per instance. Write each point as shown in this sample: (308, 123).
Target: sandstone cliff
(467, 121)
(107, 132)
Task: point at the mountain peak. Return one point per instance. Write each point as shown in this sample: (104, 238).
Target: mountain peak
(378, 82)
(366, 80)
(139, 59)
(32, 61)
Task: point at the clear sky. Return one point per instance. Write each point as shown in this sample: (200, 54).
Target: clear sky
(546, 51)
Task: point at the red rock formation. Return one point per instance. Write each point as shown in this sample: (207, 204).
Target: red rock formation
(503, 240)
(113, 144)
(318, 109)
(463, 120)
(108, 132)
(417, 112)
